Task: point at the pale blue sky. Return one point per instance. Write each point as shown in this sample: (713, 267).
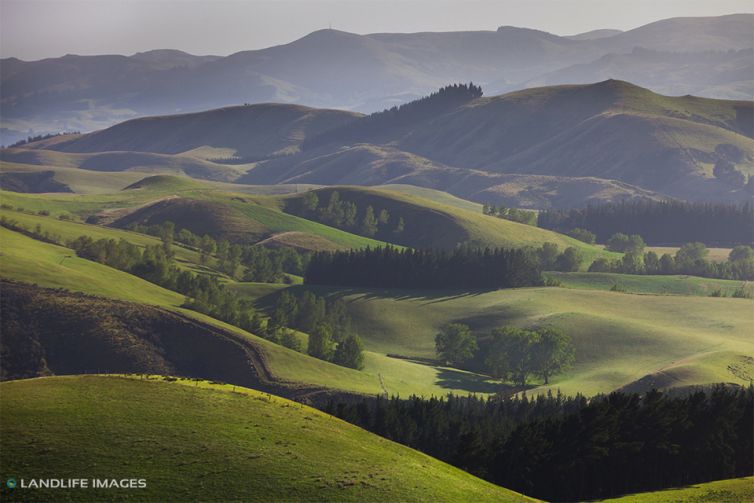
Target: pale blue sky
(34, 29)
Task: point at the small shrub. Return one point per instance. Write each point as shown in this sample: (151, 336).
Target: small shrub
(44, 213)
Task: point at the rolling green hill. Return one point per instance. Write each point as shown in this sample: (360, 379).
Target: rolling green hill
(438, 224)
(620, 339)
(198, 206)
(196, 440)
(34, 262)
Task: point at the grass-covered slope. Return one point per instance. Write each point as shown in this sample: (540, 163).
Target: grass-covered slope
(193, 440)
(435, 223)
(619, 339)
(720, 491)
(200, 207)
(30, 261)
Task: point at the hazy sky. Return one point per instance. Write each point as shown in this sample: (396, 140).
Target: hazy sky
(34, 29)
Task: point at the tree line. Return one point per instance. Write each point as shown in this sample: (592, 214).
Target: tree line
(462, 268)
(660, 223)
(570, 448)
(346, 215)
(390, 267)
(690, 259)
(380, 123)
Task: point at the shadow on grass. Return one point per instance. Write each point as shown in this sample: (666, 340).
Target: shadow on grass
(474, 383)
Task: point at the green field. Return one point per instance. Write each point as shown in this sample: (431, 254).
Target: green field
(198, 441)
(619, 338)
(656, 285)
(720, 491)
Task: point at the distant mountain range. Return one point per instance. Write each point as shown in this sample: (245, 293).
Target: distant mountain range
(709, 57)
(557, 146)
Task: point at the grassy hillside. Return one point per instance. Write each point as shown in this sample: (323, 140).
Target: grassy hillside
(252, 446)
(661, 285)
(197, 206)
(433, 224)
(619, 338)
(30, 261)
(71, 230)
(720, 491)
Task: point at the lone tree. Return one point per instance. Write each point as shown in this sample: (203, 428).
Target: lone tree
(553, 353)
(455, 344)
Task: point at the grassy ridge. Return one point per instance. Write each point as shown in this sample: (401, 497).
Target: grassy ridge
(252, 446)
(720, 491)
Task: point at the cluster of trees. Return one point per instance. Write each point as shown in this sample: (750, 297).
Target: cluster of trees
(390, 267)
(516, 215)
(509, 353)
(155, 264)
(660, 223)
(570, 449)
(380, 123)
(331, 334)
(30, 139)
(246, 262)
(346, 215)
(690, 259)
(622, 243)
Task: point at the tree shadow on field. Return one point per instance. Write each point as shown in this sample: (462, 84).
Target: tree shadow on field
(474, 383)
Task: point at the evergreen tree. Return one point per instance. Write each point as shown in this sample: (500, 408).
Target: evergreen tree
(349, 353)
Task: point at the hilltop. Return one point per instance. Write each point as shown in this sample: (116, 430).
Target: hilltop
(250, 132)
(208, 439)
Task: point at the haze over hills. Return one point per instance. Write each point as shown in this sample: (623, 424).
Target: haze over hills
(373, 71)
(554, 146)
